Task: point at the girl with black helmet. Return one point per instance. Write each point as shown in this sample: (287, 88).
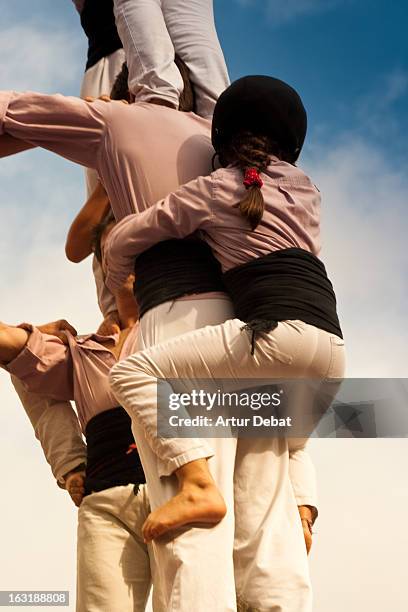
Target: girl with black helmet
(260, 215)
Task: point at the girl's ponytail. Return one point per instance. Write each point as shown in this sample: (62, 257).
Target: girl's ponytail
(251, 154)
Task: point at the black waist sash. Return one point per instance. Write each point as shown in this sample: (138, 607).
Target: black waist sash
(284, 285)
(112, 458)
(174, 268)
(98, 22)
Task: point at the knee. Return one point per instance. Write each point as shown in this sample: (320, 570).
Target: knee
(133, 369)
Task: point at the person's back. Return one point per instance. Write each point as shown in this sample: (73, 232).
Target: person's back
(141, 151)
(154, 149)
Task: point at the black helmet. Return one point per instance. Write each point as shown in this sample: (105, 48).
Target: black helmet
(264, 106)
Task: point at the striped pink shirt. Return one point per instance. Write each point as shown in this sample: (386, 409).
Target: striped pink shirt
(291, 219)
(76, 372)
(141, 151)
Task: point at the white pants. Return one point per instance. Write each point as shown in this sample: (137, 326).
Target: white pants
(113, 567)
(271, 571)
(152, 31)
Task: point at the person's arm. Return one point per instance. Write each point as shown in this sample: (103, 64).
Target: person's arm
(177, 216)
(12, 342)
(79, 239)
(107, 303)
(64, 125)
(78, 246)
(11, 146)
(42, 362)
(302, 475)
(56, 426)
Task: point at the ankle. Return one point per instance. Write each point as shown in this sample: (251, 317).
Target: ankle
(196, 474)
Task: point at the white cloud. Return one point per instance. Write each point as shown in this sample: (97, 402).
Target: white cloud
(40, 60)
(375, 110)
(364, 235)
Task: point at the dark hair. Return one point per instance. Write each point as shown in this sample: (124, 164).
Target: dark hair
(187, 102)
(246, 150)
(97, 232)
(120, 88)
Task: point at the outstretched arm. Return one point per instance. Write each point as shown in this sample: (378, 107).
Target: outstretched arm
(11, 146)
(41, 361)
(177, 216)
(12, 342)
(65, 125)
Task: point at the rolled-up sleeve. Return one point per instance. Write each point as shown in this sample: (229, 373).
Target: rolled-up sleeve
(177, 216)
(64, 125)
(44, 366)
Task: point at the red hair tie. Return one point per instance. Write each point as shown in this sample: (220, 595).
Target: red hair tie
(252, 178)
(131, 449)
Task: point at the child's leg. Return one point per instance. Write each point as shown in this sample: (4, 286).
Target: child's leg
(149, 51)
(192, 561)
(198, 501)
(219, 352)
(192, 30)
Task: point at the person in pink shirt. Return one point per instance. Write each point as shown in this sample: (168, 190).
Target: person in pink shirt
(137, 168)
(114, 566)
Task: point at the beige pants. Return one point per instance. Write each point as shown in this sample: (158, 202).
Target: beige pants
(113, 567)
(152, 31)
(57, 428)
(271, 571)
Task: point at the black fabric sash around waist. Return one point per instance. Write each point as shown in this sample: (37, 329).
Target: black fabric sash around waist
(112, 458)
(284, 285)
(174, 268)
(98, 22)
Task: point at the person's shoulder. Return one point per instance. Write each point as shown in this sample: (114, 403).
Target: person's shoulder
(228, 173)
(227, 184)
(285, 173)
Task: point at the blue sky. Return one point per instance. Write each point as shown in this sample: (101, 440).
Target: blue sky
(348, 58)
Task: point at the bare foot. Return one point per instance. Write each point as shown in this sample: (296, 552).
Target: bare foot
(194, 504)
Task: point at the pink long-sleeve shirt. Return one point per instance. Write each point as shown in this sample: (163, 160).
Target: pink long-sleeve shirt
(141, 151)
(76, 372)
(208, 204)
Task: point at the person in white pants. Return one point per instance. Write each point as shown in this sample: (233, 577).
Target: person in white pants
(260, 127)
(153, 31)
(261, 531)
